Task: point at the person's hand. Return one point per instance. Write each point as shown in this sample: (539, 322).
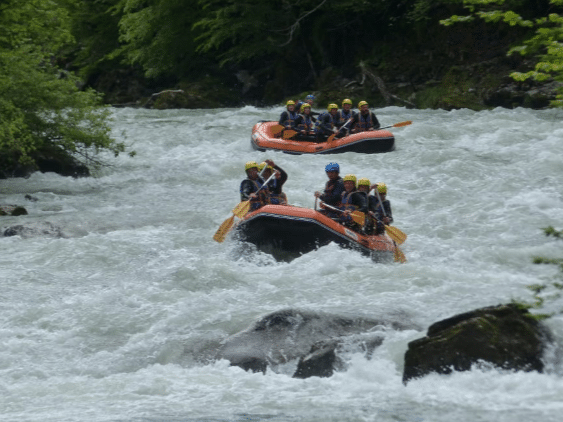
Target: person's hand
(317, 194)
(386, 220)
(270, 163)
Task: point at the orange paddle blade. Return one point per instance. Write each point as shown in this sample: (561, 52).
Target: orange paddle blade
(241, 209)
(289, 134)
(399, 255)
(396, 234)
(224, 229)
(359, 217)
(401, 124)
(277, 129)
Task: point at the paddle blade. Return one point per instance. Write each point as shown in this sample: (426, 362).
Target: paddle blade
(224, 229)
(396, 234)
(359, 217)
(241, 209)
(331, 137)
(399, 255)
(401, 124)
(277, 129)
(287, 134)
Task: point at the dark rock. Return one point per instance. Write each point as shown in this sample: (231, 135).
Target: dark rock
(31, 198)
(506, 336)
(14, 210)
(44, 229)
(311, 338)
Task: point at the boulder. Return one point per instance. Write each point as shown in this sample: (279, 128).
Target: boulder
(506, 336)
(41, 229)
(12, 210)
(306, 342)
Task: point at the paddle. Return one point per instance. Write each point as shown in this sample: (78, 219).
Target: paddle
(240, 211)
(331, 137)
(288, 133)
(400, 124)
(358, 216)
(277, 129)
(394, 233)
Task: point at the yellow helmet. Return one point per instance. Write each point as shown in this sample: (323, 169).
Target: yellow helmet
(262, 165)
(304, 106)
(250, 164)
(331, 106)
(363, 182)
(347, 101)
(290, 102)
(350, 177)
(382, 188)
(362, 103)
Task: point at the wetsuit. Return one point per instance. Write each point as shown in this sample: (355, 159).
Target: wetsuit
(287, 119)
(275, 185)
(326, 124)
(249, 186)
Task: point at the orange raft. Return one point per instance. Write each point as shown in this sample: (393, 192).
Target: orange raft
(370, 142)
(287, 232)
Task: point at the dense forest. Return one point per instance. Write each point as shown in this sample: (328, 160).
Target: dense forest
(63, 60)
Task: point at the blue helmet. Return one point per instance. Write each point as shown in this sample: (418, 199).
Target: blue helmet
(310, 97)
(332, 167)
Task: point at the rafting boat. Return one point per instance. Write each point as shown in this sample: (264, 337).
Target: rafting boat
(369, 142)
(287, 231)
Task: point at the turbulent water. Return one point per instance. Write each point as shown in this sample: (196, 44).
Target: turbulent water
(118, 318)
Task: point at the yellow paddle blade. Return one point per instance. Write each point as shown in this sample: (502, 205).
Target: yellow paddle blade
(331, 137)
(241, 209)
(399, 255)
(224, 229)
(289, 134)
(396, 234)
(359, 217)
(401, 124)
(277, 129)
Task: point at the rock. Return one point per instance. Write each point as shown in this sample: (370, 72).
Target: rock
(14, 210)
(44, 229)
(313, 339)
(506, 336)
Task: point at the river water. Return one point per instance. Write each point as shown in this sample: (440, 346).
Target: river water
(116, 320)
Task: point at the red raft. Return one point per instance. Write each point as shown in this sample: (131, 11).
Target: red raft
(370, 142)
(287, 232)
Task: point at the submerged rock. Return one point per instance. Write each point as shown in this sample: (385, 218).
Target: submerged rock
(44, 229)
(310, 343)
(506, 336)
(12, 210)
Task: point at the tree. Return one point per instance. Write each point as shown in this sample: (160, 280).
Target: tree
(545, 44)
(41, 106)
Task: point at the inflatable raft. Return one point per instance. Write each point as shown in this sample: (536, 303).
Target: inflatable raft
(287, 231)
(370, 142)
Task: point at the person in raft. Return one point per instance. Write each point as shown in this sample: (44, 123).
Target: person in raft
(305, 124)
(250, 187)
(333, 190)
(364, 120)
(346, 118)
(328, 122)
(387, 216)
(374, 224)
(309, 99)
(277, 196)
(352, 200)
(289, 115)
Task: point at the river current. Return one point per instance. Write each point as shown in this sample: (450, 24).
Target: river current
(115, 320)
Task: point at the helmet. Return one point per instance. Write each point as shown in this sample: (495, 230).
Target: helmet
(310, 97)
(331, 106)
(350, 177)
(362, 103)
(304, 106)
(382, 188)
(262, 165)
(290, 102)
(346, 101)
(363, 182)
(332, 167)
(250, 164)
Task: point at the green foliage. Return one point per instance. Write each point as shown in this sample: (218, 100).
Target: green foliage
(546, 43)
(41, 105)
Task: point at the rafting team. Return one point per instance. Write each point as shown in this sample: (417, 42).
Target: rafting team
(298, 117)
(340, 200)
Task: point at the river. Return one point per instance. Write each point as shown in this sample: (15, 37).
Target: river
(115, 320)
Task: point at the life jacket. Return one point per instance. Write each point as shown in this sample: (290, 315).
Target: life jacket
(364, 123)
(346, 202)
(255, 185)
(344, 117)
(290, 121)
(307, 123)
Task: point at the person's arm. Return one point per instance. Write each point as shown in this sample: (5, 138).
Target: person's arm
(375, 122)
(388, 212)
(246, 189)
(283, 118)
(360, 200)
